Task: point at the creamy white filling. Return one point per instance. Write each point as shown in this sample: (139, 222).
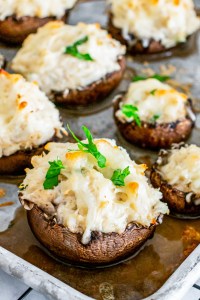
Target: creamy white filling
(154, 98)
(183, 169)
(54, 70)
(27, 118)
(34, 8)
(86, 199)
(166, 21)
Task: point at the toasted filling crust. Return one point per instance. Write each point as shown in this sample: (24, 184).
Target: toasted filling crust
(182, 169)
(166, 21)
(34, 8)
(86, 199)
(27, 118)
(53, 69)
(154, 98)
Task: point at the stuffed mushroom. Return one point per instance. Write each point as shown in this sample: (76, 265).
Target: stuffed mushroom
(89, 203)
(152, 26)
(153, 115)
(28, 120)
(74, 65)
(18, 19)
(176, 173)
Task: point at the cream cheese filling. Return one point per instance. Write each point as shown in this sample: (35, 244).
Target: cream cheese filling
(53, 69)
(86, 199)
(183, 169)
(34, 8)
(154, 98)
(27, 118)
(166, 21)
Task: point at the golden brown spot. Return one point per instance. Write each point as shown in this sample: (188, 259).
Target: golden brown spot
(176, 2)
(74, 155)
(162, 92)
(55, 24)
(173, 101)
(9, 203)
(2, 193)
(154, 2)
(132, 205)
(103, 204)
(3, 72)
(153, 221)
(133, 186)
(131, 4)
(144, 167)
(22, 105)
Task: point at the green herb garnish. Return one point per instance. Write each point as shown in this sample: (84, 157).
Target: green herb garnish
(154, 118)
(119, 176)
(52, 174)
(161, 78)
(73, 50)
(131, 111)
(153, 92)
(90, 147)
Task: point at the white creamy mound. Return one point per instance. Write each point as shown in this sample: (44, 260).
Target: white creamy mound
(167, 21)
(27, 118)
(86, 200)
(154, 98)
(53, 69)
(34, 8)
(183, 169)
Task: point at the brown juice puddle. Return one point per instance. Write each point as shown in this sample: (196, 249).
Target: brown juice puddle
(134, 279)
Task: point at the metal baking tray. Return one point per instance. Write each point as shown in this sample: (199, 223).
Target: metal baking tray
(169, 263)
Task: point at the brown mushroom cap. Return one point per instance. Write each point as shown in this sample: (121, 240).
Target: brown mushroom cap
(135, 46)
(101, 250)
(14, 30)
(92, 93)
(16, 163)
(176, 199)
(154, 135)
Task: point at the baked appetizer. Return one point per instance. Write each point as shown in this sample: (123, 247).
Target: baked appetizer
(89, 203)
(73, 65)
(152, 26)
(27, 119)
(176, 173)
(152, 114)
(18, 18)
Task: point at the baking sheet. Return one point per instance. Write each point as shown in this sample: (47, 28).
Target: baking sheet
(174, 240)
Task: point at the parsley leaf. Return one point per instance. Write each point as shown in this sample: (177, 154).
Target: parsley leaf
(161, 78)
(73, 50)
(119, 176)
(81, 41)
(153, 92)
(131, 111)
(52, 174)
(154, 118)
(90, 147)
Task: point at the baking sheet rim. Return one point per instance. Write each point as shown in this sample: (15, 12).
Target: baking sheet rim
(174, 288)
